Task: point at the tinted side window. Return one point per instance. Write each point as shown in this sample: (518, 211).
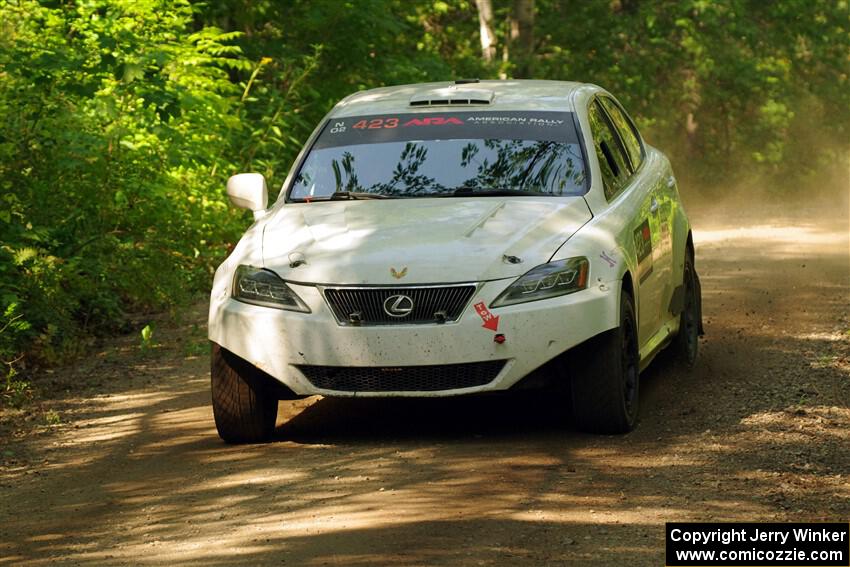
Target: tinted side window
(626, 130)
(612, 160)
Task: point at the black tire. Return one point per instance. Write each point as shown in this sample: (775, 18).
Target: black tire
(686, 343)
(245, 410)
(605, 377)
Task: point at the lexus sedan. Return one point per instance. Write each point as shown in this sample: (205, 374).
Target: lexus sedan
(446, 239)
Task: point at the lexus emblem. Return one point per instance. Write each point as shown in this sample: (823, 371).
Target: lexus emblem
(398, 306)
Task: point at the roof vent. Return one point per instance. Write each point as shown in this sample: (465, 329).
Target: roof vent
(467, 81)
(452, 97)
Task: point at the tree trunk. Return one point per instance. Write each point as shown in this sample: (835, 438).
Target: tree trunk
(522, 36)
(485, 22)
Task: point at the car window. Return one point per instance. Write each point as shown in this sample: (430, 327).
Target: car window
(612, 158)
(626, 130)
(464, 154)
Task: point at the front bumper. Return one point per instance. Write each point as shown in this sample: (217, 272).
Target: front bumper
(278, 341)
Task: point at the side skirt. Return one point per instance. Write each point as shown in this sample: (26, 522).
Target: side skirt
(658, 341)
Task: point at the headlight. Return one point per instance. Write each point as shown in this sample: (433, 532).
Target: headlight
(263, 287)
(545, 281)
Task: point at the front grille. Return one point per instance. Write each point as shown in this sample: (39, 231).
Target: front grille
(368, 306)
(403, 378)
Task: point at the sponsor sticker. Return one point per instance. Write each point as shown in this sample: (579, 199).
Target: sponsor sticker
(398, 274)
(643, 249)
(509, 125)
(643, 240)
(490, 321)
(608, 259)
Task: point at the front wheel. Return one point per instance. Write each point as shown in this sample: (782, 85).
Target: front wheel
(244, 408)
(605, 377)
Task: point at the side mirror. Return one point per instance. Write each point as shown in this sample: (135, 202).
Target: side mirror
(248, 191)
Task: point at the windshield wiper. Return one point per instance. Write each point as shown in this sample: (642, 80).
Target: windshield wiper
(354, 195)
(495, 192)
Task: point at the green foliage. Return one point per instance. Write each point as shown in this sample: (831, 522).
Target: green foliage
(115, 129)
(147, 337)
(735, 90)
(52, 417)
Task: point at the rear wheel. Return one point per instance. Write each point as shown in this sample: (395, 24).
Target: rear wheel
(605, 377)
(686, 342)
(244, 408)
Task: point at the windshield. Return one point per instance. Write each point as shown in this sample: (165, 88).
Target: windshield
(435, 155)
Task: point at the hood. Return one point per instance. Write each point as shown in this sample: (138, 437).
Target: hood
(416, 241)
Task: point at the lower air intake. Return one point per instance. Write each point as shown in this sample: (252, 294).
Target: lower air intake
(402, 378)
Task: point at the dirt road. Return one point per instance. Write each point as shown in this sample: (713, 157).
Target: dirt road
(134, 474)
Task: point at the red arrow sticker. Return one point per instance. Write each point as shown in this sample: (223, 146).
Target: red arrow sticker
(490, 321)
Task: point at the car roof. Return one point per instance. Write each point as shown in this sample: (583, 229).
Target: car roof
(482, 95)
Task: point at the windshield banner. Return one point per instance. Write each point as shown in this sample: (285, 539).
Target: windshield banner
(513, 125)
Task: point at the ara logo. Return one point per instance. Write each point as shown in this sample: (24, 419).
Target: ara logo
(434, 121)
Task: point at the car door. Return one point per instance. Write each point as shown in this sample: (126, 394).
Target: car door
(620, 176)
(661, 203)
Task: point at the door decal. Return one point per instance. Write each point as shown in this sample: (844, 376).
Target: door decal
(643, 249)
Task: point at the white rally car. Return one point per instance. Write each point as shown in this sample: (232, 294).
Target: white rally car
(454, 238)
